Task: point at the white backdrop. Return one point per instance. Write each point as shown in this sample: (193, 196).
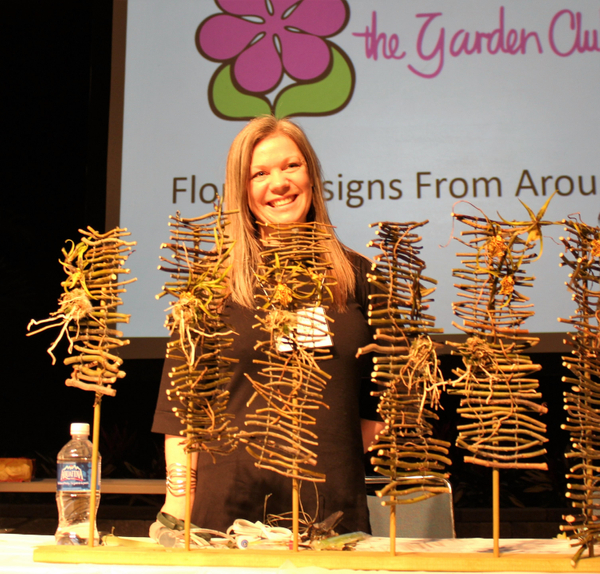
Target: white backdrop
(518, 117)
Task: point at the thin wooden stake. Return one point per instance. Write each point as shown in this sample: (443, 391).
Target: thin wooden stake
(496, 510)
(94, 493)
(188, 499)
(589, 485)
(295, 513)
(393, 526)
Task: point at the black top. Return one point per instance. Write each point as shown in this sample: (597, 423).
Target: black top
(234, 487)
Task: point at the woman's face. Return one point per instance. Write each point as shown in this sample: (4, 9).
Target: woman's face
(280, 190)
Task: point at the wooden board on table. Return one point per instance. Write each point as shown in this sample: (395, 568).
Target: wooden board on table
(411, 561)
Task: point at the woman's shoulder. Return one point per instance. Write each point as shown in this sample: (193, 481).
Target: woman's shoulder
(361, 264)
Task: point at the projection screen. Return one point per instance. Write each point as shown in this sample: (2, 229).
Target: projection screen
(416, 110)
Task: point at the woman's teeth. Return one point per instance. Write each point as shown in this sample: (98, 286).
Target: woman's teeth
(282, 201)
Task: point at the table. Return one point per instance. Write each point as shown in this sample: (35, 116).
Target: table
(16, 556)
(108, 486)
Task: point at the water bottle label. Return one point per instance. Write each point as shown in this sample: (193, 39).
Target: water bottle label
(75, 476)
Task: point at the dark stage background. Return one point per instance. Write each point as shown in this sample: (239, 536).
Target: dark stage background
(57, 82)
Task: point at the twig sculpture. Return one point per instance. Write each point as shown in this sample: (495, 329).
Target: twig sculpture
(406, 368)
(87, 315)
(200, 336)
(294, 288)
(87, 309)
(496, 385)
(582, 401)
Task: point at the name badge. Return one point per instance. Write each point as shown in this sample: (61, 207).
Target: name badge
(311, 330)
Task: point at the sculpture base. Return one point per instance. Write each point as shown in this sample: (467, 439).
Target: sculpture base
(356, 560)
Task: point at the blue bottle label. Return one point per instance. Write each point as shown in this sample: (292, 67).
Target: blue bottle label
(75, 476)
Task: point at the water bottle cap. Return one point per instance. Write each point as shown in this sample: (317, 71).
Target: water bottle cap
(80, 428)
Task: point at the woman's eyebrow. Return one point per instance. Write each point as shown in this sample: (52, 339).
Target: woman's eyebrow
(284, 160)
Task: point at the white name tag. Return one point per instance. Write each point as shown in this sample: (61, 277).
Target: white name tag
(311, 330)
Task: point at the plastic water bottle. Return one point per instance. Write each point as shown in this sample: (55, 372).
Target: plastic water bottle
(74, 486)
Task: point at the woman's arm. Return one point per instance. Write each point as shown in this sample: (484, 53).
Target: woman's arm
(369, 431)
(176, 460)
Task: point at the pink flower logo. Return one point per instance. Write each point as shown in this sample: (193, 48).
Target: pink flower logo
(260, 42)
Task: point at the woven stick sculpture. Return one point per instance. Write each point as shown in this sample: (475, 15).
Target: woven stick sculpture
(87, 310)
(87, 315)
(406, 367)
(200, 336)
(293, 290)
(496, 385)
(582, 402)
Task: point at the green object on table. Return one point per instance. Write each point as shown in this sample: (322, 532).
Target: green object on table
(339, 542)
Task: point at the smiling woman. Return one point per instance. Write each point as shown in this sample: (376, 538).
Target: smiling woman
(280, 189)
(274, 177)
(261, 141)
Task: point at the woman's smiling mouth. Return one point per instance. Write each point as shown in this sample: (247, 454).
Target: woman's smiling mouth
(282, 201)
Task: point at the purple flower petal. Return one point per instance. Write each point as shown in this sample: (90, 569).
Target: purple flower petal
(318, 17)
(222, 37)
(245, 7)
(259, 69)
(304, 56)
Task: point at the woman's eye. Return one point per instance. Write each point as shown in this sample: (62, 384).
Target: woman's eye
(259, 175)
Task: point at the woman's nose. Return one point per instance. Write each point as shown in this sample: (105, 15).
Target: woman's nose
(278, 181)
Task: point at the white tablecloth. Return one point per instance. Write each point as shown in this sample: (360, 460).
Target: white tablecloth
(16, 556)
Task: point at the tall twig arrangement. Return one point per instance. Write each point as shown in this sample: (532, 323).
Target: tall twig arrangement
(87, 312)
(88, 315)
(294, 285)
(498, 391)
(200, 336)
(406, 368)
(582, 401)
(293, 281)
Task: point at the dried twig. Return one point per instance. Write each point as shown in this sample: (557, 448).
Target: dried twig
(87, 310)
(294, 282)
(406, 368)
(200, 336)
(582, 401)
(496, 385)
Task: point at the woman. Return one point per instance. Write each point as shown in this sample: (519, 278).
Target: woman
(274, 177)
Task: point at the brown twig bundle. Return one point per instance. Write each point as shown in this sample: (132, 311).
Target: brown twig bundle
(200, 336)
(87, 310)
(405, 366)
(582, 402)
(294, 288)
(498, 391)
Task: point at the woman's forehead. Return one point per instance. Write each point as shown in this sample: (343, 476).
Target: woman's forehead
(275, 147)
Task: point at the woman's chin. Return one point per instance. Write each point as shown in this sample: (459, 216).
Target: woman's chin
(286, 218)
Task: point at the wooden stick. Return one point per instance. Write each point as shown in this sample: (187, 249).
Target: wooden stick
(393, 526)
(188, 499)
(93, 493)
(295, 513)
(496, 510)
